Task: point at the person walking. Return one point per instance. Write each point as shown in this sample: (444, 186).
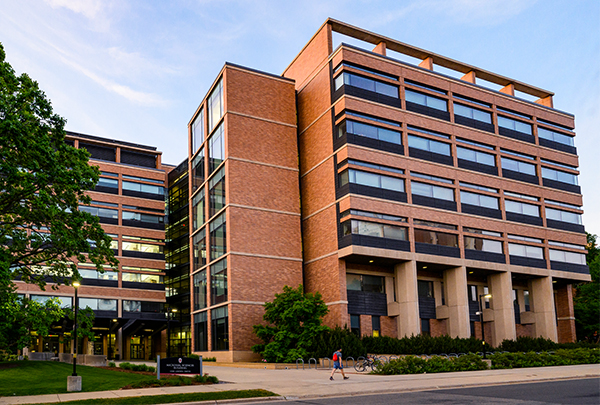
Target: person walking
(337, 364)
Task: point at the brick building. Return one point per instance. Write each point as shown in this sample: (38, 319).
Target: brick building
(129, 305)
(401, 194)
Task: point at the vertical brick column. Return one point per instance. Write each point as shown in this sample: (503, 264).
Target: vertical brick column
(455, 282)
(503, 326)
(408, 298)
(565, 314)
(542, 296)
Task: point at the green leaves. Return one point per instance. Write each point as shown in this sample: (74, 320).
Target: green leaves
(587, 296)
(294, 324)
(42, 182)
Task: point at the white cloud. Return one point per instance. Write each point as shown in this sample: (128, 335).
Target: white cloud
(89, 8)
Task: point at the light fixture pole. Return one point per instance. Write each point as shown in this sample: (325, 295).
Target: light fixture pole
(481, 320)
(76, 285)
(170, 311)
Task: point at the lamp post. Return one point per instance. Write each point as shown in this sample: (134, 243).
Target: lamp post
(76, 285)
(481, 320)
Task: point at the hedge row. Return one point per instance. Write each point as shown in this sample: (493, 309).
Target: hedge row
(562, 357)
(436, 364)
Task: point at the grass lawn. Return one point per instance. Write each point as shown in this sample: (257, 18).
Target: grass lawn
(173, 398)
(49, 377)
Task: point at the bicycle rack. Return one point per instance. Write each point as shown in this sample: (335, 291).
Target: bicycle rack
(309, 362)
(353, 361)
(394, 357)
(453, 355)
(382, 358)
(328, 362)
(297, 360)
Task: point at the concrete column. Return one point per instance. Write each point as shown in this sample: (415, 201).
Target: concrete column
(503, 325)
(427, 63)
(457, 300)
(542, 295)
(380, 48)
(408, 298)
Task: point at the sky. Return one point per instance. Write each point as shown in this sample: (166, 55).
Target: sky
(137, 70)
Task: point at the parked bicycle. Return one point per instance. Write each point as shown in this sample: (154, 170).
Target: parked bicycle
(367, 363)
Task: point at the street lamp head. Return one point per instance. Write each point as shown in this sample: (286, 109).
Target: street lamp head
(174, 310)
(75, 284)
(487, 296)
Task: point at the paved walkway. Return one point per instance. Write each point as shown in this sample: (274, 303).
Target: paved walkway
(315, 383)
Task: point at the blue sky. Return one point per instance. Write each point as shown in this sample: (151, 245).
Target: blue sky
(137, 70)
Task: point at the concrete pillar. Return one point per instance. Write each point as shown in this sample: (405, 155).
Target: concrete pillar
(565, 313)
(503, 325)
(547, 101)
(508, 89)
(542, 297)
(457, 300)
(408, 298)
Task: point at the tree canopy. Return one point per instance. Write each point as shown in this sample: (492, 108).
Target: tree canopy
(587, 295)
(42, 183)
(294, 323)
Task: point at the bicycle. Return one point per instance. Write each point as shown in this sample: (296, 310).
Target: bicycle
(365, 364)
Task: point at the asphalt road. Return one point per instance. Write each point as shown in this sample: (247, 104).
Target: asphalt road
(577, 392)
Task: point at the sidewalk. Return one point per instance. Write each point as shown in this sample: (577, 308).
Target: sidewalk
(315, 383)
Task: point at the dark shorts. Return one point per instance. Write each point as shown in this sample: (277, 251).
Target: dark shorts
(337, 365)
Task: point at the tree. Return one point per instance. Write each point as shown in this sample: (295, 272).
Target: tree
(587, 295)
(294, 323)
(42, 182)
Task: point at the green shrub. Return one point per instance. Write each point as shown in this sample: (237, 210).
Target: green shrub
(136, 367)
(559, 358)
(206, 379)
(436, 364)
(111, 364)
(209, 359)
(193, 356)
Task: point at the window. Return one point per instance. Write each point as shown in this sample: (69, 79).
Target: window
(98, 304)
(217, 191)
(519, 195)
(522, 208)
(429, 190)
(216, 148)
(526, 299)
(215, 105)
(554, 136)
(482, 232)
(567, 245)
(480, 200)
(376, 325)
(139, 217)
(506, 110)
(137, 178)
(143, 278)
(220, 328)
(425, 288)
(201, 332)
(200, 290)
(370, 131)
(434, 224)
(365, 283)
(424, 86)
(100, 212)
(436, 238)
(470, 100)
(514, 125)
(218, 237)
(426, 100)
(96, 275)
(363, 69)
(108, 183)
(478, 187)
(64, 302)
(473, 143)
(141, 247)
(558, 175)
(472, 113)
(355, 324)
(350, 79)
(198, 131)
(373, 215)
(371, 180)
(551, 162)
(356, 227)
(532, 252)
(198, 175)
(372, 118)
(525, 238)
(198, 210)
(561, 204)
(375, 166)
(567, 257)
(143, 188)
(199, 246)
(427, 131)
(563, 216)
(429, 145)
(132, 306)
(517, 166)
(218, 282)
(475, 156)
(425, 327)
(484, 245)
